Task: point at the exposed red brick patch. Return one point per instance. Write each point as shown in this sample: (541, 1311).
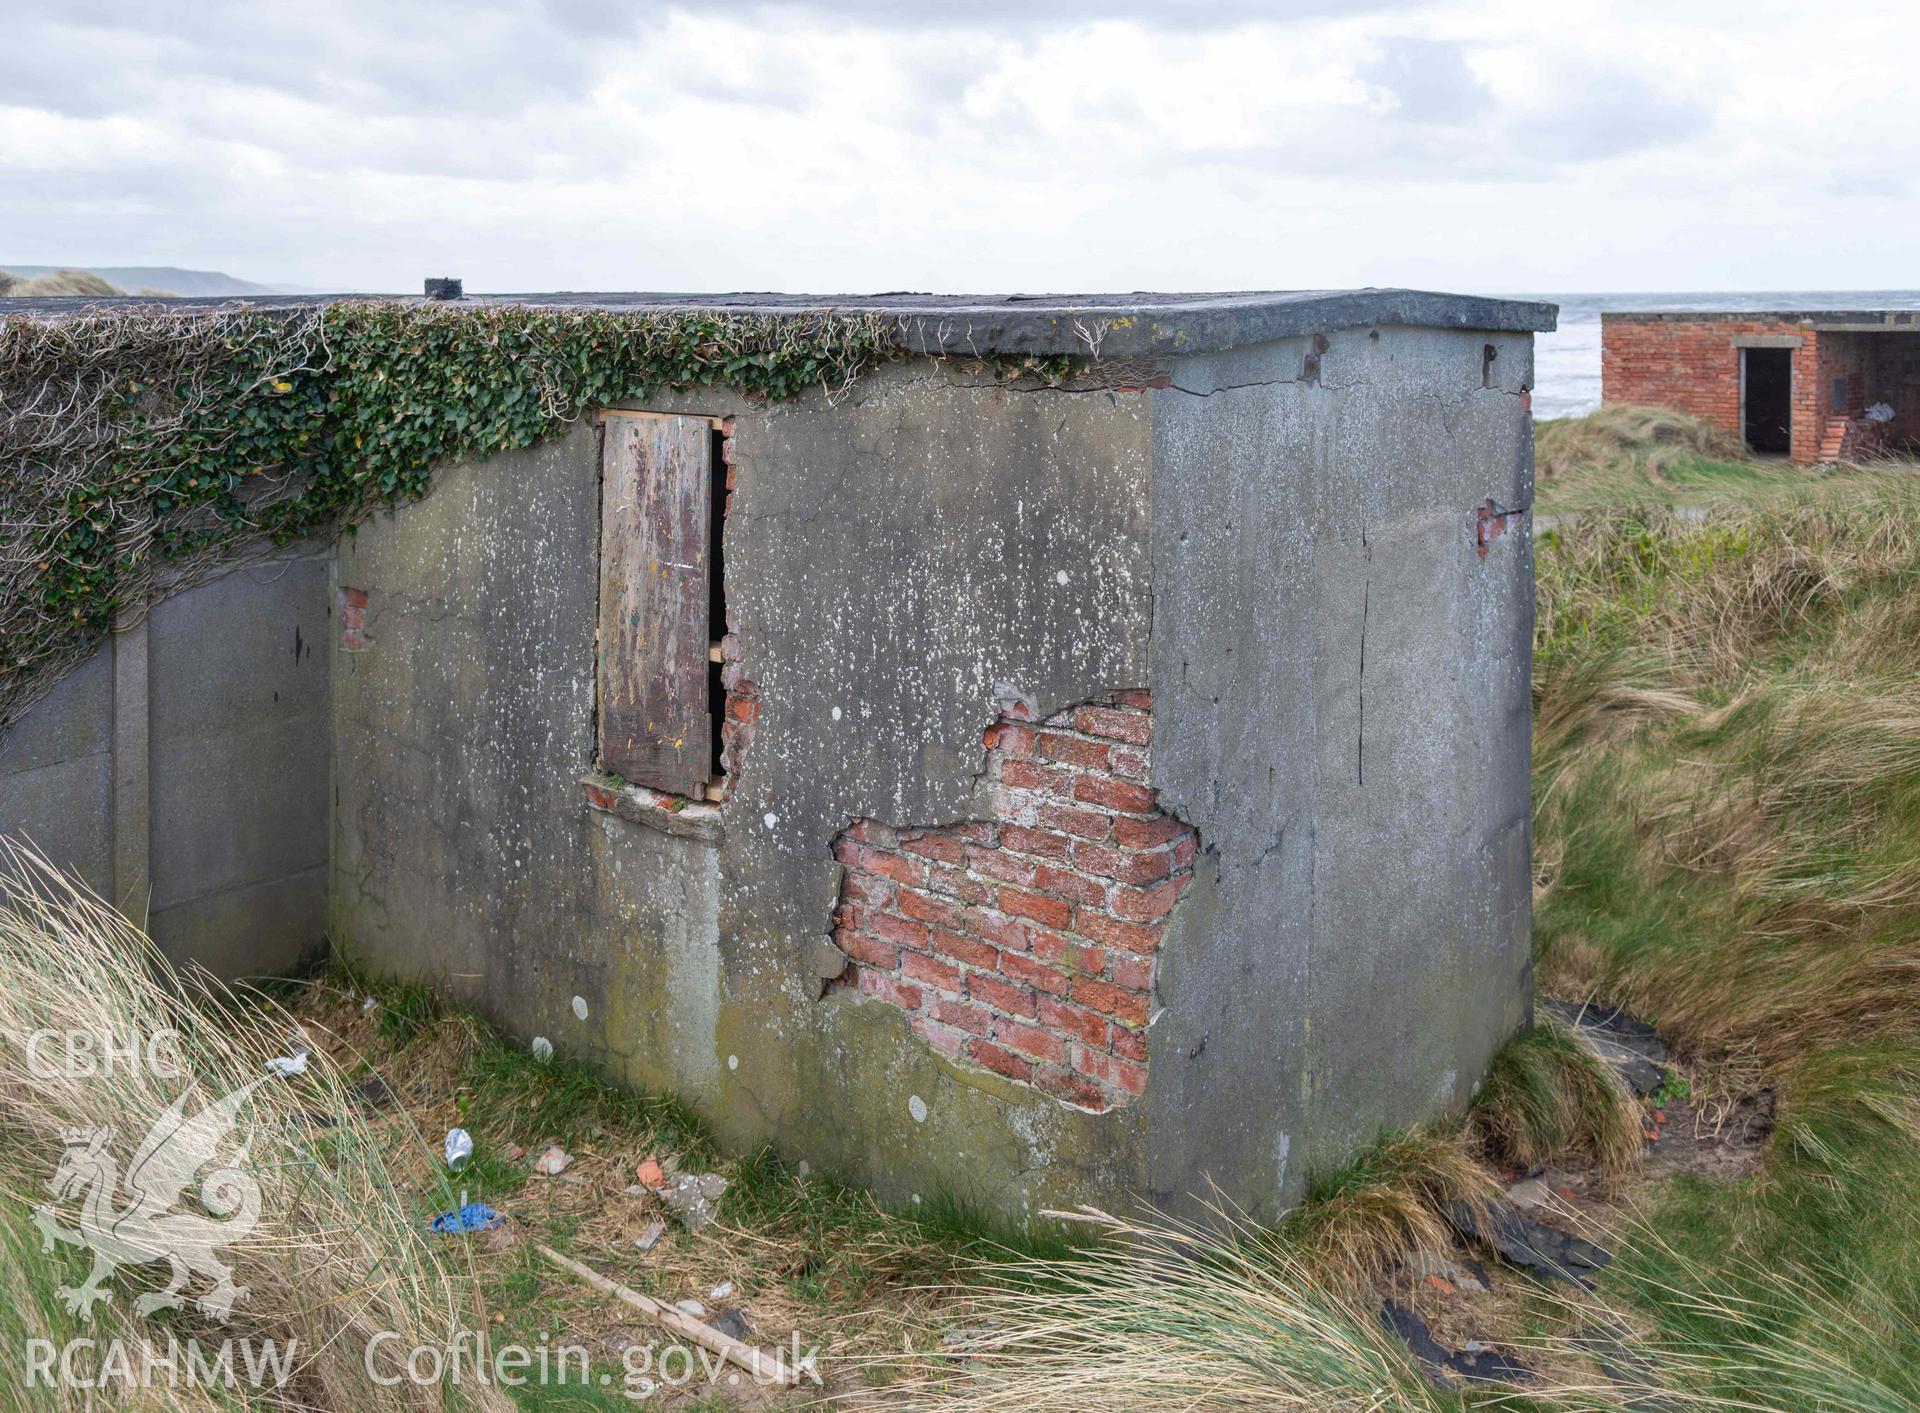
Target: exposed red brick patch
(1490, 523)
(1001, 1061)
(353, 620)
(1025, 944)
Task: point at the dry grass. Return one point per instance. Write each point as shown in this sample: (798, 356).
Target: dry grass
(873, 1289)
(1382, 1206)
(338, 1253)
(1653, 438)
(1167, 1315)
(60, 282)
(1550, 1099)
(1728, 826)
(1642, 458)
(1729, 709)
(1215, 1315)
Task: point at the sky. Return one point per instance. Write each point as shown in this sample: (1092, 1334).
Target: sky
(965, 145)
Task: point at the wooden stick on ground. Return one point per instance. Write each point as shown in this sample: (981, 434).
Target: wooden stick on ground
(765, 1368)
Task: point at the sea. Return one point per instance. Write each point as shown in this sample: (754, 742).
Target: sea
(1567, 362)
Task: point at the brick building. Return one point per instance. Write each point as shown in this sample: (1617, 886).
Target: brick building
(1028, 791)
(1812, 385)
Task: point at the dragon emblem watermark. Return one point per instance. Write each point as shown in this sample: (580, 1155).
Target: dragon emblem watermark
(132, 1218)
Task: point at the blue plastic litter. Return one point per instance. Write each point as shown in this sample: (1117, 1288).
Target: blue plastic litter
(475, 1216)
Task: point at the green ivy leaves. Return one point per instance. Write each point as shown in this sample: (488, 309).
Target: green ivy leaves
(228, 427)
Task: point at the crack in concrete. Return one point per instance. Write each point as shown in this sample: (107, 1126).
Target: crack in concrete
(1366, 605)
(1360, 735)
(1236, 387)
(1279, 840)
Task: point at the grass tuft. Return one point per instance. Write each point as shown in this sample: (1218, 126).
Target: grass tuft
(1165, 1314)
(1380, 1206)
(1641, 459)
(1548, 1098)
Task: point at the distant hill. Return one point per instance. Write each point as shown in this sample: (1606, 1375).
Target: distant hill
(171, 279)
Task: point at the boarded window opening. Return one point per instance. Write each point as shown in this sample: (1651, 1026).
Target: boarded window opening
(716, 593)
(1767, 396)
(662, 611)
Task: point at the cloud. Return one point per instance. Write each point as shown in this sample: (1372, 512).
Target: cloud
(1429, 80)
(1180, 16)
(870, 143)
(1599, 113)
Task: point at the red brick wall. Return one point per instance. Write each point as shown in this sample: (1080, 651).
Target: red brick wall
(1025, 944)
(353, 620)
(1895, 379)
(1693, 366)
(1848, 359)
(742, 710)
(1809, 398)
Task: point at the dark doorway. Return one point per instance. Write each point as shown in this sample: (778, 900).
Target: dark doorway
(1767, 392)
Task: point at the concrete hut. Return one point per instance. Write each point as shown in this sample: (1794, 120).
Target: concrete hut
(1029, 793)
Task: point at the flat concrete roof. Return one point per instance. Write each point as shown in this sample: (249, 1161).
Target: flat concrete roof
(1833, 320)
(1108, 325)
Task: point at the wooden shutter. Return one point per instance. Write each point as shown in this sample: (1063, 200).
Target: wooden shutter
(655, 501)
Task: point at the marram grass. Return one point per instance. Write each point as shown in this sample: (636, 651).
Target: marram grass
(338, 1255)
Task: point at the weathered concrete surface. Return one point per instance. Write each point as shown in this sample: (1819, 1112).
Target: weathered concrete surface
(1285, 554)
(182, 771)
(891, 561)
(1342, 708)
(238, 678)
(1276, 535)
(56, 774)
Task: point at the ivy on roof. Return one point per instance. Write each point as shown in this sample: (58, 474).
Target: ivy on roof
(142, 450)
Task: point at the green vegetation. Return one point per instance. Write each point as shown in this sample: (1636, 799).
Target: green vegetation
(1728, 800)
(1548, 1098)
(1727, 795)
(1648, 458)
(337, 1252)
(1727, 791)
(347, 1157)
(184, 442)
(142, 448)
(1210, 1315)
(1384, 1203)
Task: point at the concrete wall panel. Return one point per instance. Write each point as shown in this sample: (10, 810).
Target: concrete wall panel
(182, 771)
(56, 774)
